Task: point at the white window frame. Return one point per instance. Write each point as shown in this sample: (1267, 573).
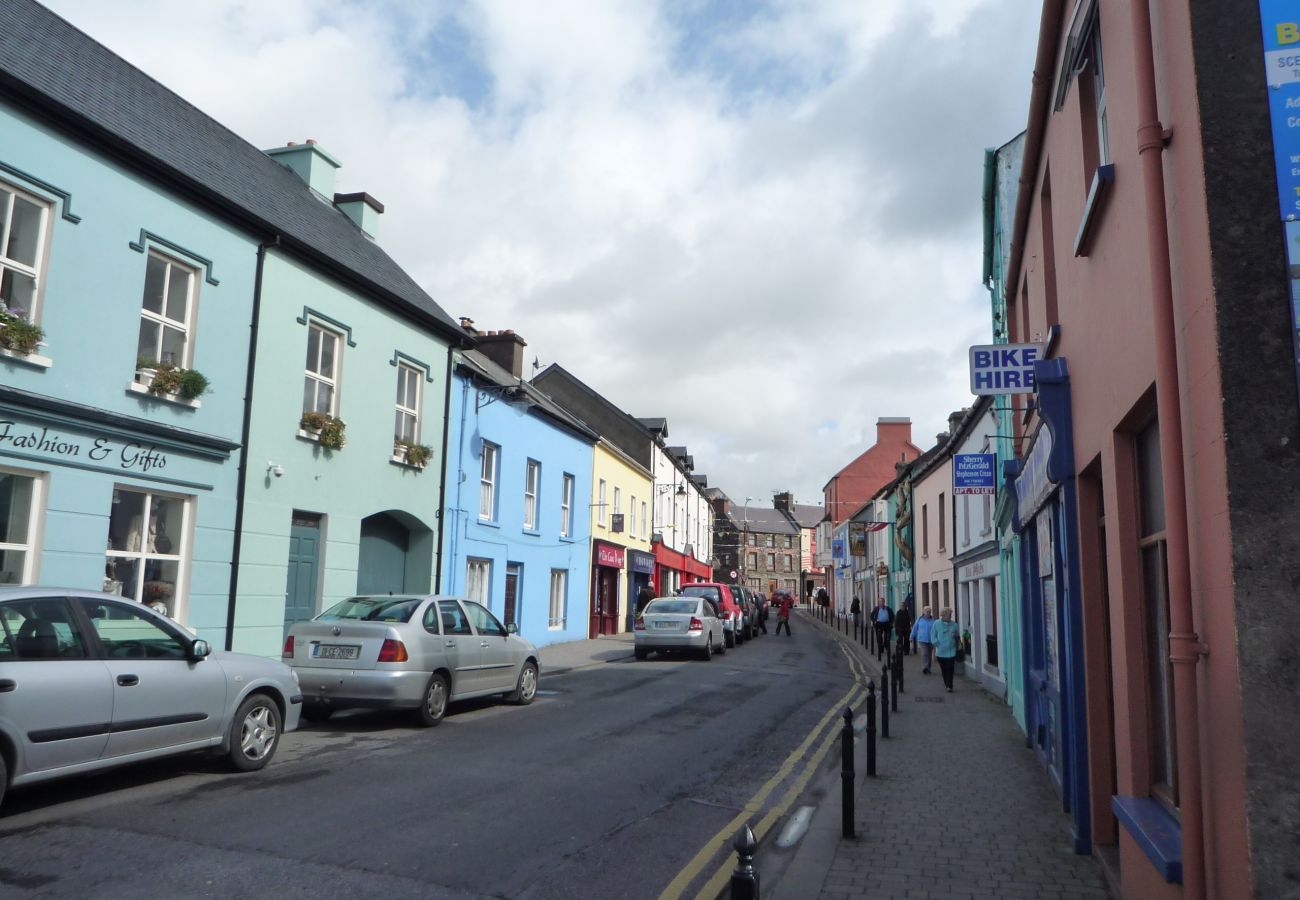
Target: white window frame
(557, 617)
(30, 549)
(487, 492)
(406, 376)
(478, 580)
(1097, 62)
(631, 516)
(172, 266)
(532, 483)
(35, 271)
(331, 379)
(618, 500)
(179, 604)
(566, 506)
(644, 525)
(600, 505)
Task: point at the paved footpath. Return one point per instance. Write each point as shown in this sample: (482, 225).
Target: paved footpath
(972, 814)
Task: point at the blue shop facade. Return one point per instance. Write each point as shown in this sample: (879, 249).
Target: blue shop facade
(1046, 520)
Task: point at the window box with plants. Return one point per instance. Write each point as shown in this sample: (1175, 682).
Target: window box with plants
(322, 427)
(170, 381)
(411, 454)
(18, 335)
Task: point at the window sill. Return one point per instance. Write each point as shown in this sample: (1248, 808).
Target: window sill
(32, 359)
(136, 387)
(1156, 832)
(401, 462)
(315, 439)
(1102, 179)
(533, 532)
(568, 539)
(488, 523)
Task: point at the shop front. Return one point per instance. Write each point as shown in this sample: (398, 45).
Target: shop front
(640, 573)
(103, 501)
(1046, 515)
(607, 568)
(977, 607)
(673, 569)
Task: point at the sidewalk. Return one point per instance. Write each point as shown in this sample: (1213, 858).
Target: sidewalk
(557, 659)
(960, 808)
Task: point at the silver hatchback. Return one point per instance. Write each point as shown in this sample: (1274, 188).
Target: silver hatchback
(415, 652)
(90, 680)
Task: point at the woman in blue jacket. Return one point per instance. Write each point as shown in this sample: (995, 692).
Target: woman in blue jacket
(921, 633)
(944, 636)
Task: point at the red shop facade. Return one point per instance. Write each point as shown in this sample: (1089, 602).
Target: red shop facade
(673, 569)
(607, 567)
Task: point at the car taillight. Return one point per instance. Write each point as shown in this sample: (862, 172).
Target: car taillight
(288, 648)
(639, 625)
(392, 651)
(696, 625)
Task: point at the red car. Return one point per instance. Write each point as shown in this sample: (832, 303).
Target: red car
(728, 607)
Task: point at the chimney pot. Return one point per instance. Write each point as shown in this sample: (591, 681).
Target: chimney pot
(292, 144)
(311, 141)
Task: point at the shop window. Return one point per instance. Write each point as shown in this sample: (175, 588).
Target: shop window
(24, 220)
(321, 380)
(167, 313)
(487, 493)
(147, 549)
(566, 507)
(559, 599)
(20, 504)
(1155, 608)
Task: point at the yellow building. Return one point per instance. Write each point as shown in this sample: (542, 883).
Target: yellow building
(621, 560)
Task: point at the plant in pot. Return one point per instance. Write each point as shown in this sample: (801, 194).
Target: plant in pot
(166, 380)
(327, 429)
(146, 367)
(414, 454)
(16, 332)
(193, 384)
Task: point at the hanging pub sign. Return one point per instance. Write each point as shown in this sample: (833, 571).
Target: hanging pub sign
(972, 473)
(857, 539)
(837, 549)
(1003, 368)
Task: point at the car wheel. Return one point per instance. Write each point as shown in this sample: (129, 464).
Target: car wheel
(434, 705)
(255, 733)
(641, 653)
(707, 653)
(317, 712)
(526, 689)
(4, 778)
(729, 638)
(722, 645)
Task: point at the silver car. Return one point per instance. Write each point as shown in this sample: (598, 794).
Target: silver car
(415, 652)
(688, 624)
(90, 680)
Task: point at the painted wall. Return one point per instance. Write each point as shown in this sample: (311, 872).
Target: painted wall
(934, 566)
(90, 311)
(976, 567)
(631, 480)
(521, 434)
(343, 486)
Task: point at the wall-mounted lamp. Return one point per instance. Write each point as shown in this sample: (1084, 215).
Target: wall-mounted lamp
(274, 468)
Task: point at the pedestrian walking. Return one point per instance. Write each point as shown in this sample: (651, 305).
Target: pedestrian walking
(856, 609)
(903, 628)
(921, 632)
(783, 614)
(823, 598)
(643, 596)
(944, 636)
(882, 618)
(763, 605)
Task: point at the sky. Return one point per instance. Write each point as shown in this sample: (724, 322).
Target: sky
(758, 219)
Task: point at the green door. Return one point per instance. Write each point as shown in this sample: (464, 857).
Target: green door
(304, 563)
(381, 562)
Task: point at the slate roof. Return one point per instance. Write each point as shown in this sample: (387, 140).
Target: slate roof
(60, 72)
(807, 515)
(766, 521)
(479, 366)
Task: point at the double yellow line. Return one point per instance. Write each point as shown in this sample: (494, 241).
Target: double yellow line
(709, 851)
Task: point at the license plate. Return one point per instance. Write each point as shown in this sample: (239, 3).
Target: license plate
(665, 625)
(335, 651)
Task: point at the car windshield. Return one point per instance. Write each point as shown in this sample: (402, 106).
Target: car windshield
(696, 590)
(672, 606)
(372, 609)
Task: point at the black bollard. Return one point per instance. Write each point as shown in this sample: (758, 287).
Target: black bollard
(744, 878)
(871, 728)
(898, 670)
(846, 775)
(893, 691)
(884, 702)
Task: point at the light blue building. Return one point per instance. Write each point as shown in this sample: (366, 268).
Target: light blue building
(111, 258)
(517, 519)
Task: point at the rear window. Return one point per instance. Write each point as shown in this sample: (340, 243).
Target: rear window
(372, 609)
(700, 590)
(673, 606)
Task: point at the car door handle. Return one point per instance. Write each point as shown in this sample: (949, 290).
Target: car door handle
(482, 643)
(450, 644)
(128, 680)
(7, 685)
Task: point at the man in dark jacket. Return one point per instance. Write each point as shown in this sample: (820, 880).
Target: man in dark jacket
(643, 596)
(903, 627)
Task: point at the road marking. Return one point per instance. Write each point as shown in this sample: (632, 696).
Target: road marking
(693, 868)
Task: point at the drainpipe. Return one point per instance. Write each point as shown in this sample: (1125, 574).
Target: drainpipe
(243, 442)
(1185, 646)
(442, 488)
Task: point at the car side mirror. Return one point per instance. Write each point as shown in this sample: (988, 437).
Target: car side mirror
(512, 628)
(199, 649)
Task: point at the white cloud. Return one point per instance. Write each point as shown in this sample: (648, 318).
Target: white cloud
(767, 231)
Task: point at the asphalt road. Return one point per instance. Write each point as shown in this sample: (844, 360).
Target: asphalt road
(609, 785)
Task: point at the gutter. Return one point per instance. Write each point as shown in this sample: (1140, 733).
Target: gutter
(442, 486)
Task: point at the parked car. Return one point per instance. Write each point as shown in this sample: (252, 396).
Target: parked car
(689, 624)
(91, 680)
(749, 611)
(728, 606)
(408, 651)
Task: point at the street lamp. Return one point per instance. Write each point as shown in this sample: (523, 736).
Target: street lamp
(744, 546)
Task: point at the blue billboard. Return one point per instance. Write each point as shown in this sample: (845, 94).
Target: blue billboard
(972, 473)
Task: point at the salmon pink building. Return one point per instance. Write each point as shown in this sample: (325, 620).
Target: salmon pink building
(1156, 480)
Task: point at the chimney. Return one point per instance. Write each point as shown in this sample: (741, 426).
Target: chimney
(954, 420)
(893, 430)
(782, 502)
(468, 324)
(505, 348)
(364, 211)
(310, 163)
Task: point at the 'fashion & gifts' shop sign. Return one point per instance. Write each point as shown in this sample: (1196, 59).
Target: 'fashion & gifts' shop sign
(127, 455)
(609, 555)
